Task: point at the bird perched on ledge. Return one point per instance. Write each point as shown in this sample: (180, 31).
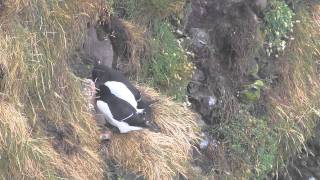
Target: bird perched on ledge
(120, 101)
(118, 112)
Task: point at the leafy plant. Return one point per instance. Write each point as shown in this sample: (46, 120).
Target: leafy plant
(279, 23)
(251, 142)
(252, 92)
(169, 68)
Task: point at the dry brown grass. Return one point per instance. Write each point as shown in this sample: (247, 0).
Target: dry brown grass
(136, 45)
(159, 155)
(38, 90)
(127, 40)
(295, 101)
(25, 157)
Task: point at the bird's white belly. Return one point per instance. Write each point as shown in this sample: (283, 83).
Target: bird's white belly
(121, 91)
(104, 108)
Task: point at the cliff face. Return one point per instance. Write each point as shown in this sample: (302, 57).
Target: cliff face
(99, 51)
(237, 83)
(225, 41)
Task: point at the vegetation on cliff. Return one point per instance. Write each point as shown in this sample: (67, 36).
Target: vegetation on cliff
(263, 75)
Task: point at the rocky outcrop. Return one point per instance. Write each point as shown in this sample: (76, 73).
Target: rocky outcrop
(224, 39)
(97, 50)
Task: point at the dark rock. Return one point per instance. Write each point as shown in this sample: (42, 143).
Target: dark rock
(95, 50)
(258, 6)
(199, 38)
(198, 76)
(2, 6)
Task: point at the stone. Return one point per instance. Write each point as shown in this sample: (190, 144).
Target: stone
(262, 4)
(106, 135)
(204, 143)
(197, 169)
(97, 51)
(201, 123)
(89, 90)
(211, 101)
(198, 76)
(312, 178)
(200, 38)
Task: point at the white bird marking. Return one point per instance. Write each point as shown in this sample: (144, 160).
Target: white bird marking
(127, 117)
(122, 126)
(121, 91)
(139, 99)
(140, 111)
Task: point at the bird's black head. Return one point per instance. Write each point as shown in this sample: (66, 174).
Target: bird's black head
(95, 74)
(99, 70)
(103, 92)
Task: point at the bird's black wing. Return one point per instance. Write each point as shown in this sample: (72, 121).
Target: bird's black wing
(102, 74)
(123, 111)
(120, 109)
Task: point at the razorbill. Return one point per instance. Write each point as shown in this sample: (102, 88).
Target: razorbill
(102, 74)
(118, 112)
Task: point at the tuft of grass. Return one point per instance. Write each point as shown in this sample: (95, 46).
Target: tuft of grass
(295, 105)
(21, 156)
(170, 69)
(127, 41)
(145, 11)
(251, 143)
(164, 62)
(159, 155)
(40, 92)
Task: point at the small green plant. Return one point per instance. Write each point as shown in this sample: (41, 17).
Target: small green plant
(169, 68)
(143, 11)
(279, 23)
(251, 142)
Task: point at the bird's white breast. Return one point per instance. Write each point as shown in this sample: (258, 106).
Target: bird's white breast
(121, 91)
(104, 108)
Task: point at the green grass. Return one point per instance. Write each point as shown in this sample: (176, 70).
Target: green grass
(251, 143)
(169, 69)
(144, 11)
(165, 66)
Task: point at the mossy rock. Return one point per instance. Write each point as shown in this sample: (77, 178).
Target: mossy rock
(252, 92)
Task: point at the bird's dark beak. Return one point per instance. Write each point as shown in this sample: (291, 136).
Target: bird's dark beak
(152, 126)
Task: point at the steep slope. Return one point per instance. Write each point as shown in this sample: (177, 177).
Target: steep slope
(46, 130)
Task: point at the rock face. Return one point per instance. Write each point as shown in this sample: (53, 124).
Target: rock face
(223, 38)
(96, 50)
(228, 54)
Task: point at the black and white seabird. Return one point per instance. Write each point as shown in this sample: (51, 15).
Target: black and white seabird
(102, 74)
(118, 112)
